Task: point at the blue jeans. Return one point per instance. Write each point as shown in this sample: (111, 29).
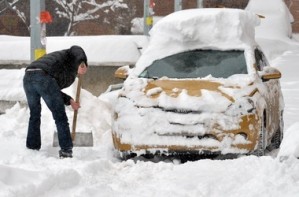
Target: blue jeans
(37, 85)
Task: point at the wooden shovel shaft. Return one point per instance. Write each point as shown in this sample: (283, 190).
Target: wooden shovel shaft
(76, 111)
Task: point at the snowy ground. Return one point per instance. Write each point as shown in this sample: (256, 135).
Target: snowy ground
(97, 171)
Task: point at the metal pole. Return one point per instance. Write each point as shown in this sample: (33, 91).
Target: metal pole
(200, 3)
(177, 5)
(145, 17)
(36, 47)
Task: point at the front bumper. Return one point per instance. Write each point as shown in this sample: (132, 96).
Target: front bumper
(240, 140)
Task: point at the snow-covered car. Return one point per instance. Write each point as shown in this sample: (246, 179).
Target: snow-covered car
(202, 86)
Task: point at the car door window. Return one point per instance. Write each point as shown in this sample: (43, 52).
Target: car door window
(260, 60)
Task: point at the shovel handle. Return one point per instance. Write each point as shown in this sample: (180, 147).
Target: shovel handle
(74, 125)
(76, 111)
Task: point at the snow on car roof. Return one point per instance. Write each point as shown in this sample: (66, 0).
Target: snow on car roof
(213, 28)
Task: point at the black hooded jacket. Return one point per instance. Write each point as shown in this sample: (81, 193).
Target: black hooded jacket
(62, 66)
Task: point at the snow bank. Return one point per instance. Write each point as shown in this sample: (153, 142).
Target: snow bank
(277, 21)
(99, 49)
(290, 143)
(14, 91)
(275, 29)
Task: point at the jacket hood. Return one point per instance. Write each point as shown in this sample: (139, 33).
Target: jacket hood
(78, 53)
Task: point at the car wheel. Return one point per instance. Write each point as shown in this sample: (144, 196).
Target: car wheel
(260, 151)
(277, 138)
(125, 155)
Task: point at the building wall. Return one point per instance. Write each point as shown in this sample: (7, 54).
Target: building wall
(293, 6)
(10, 24)
(164, 7)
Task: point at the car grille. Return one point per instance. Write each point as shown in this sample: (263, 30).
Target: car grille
(180, 111)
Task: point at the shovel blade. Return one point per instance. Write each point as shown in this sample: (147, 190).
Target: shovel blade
(81, 140)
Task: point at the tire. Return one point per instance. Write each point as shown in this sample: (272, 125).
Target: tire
(278, 136)
(125, 155)
(260, 151)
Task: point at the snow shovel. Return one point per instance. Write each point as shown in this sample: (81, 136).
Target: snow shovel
(78, 138)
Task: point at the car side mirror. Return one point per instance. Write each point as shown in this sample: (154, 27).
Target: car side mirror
(270, 73)
(122, 72)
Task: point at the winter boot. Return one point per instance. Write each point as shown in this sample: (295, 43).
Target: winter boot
(65, 153)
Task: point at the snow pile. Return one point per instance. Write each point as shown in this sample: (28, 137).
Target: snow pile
(277, 21)
(14, 91)
(289, 146)
(99, 49)
(275, 28)
(89, 119)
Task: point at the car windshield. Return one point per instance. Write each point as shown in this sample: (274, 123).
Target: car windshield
(198, 63)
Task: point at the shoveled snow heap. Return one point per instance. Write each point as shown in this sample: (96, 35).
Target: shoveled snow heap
(273, 25)
(99, 49)
(183, 31)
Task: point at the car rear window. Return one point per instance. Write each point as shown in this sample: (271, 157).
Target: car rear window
(198, 63)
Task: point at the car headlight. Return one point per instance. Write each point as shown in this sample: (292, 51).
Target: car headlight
(241, 107)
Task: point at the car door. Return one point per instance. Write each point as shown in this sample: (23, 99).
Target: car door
(272, 95)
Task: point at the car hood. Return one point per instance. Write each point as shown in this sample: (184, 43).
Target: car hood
(174, 88)
(211, 94)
